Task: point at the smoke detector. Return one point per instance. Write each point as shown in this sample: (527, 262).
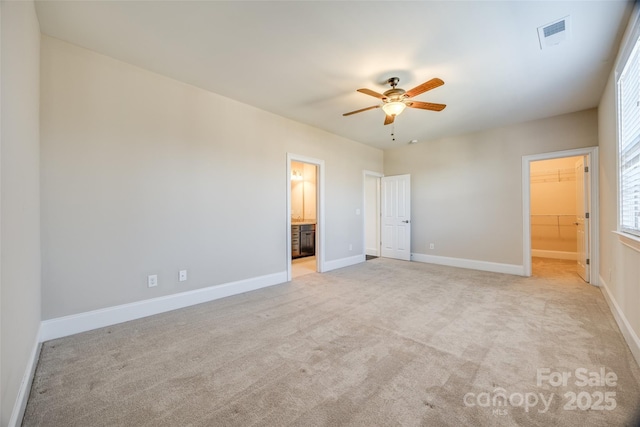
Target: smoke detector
(555, 33)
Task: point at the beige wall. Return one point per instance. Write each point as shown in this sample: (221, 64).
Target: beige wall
(553, 205)
(619, 264)
(20, 198)
(467, 190)
(144, 175)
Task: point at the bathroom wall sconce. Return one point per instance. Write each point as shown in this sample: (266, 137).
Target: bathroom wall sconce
(296, 175)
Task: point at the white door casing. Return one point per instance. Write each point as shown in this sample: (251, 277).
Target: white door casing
(371, 203)
(591, 154)
(582, 217)
(320, 234)
(396, 217)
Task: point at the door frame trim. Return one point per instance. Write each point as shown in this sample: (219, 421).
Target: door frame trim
(320, 234)
(378, 175)
(594, 215)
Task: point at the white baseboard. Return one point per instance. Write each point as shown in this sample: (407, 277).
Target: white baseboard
(25, 385)
(82, 322)
(627, 331)
(343, 262)
(541, 253)
(472, 264)
(371, 251)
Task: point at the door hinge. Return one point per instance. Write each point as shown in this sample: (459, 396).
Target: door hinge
(586, 168)
(586, 215)
(587, 261)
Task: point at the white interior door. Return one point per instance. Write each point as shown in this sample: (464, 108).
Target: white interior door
(582, 217)
(396, 217)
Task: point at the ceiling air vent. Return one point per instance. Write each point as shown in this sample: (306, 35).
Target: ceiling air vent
(554, 33)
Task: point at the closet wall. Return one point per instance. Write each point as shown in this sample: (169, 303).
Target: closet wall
(553, 208)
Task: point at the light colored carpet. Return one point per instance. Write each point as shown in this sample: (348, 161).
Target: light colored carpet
(382, 343)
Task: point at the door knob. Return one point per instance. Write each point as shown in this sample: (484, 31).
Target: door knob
(406, 221)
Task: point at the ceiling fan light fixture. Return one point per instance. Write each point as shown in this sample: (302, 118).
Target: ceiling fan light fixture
(393, 108)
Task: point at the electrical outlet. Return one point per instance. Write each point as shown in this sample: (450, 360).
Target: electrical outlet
(432, 246)
(183, 275)
(152, 280)
(350, 247)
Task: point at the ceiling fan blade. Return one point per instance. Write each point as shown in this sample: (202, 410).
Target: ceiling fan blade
(372, 93)
(431, 84)
(361, 110)
(389, 119)
(426, 105)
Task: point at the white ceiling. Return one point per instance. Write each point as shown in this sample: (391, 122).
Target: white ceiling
(304, 60)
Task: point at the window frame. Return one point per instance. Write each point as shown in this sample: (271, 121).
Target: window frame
(631, 45)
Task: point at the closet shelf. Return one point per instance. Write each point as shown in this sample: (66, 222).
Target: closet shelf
(553, 220)
(553, 215)
(555, 175)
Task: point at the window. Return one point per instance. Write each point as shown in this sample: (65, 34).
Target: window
(629, 142)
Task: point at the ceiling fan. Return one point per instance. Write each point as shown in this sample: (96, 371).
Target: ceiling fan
(395, 100)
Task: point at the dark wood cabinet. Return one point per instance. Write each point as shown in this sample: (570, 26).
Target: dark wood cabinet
(295, 241)
(303, 240)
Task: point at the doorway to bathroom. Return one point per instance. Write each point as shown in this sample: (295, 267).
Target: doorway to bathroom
(304, 215)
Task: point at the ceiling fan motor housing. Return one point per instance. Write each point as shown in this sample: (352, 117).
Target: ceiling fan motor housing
(394, 94)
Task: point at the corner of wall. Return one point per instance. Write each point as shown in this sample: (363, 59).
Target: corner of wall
(20, 262)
